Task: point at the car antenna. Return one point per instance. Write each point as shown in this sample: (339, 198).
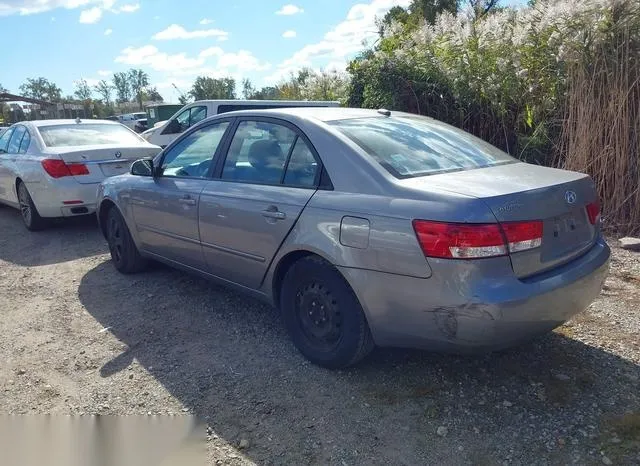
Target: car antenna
(384, 111)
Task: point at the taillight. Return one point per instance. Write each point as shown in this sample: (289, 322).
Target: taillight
(593, 211)
(58, 169)
(522, 235)
(474, 241)
(78, 169)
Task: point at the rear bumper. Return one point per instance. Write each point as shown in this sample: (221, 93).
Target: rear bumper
(474, 307)
(50, 198)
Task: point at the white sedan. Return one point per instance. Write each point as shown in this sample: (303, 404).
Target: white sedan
(52, 168)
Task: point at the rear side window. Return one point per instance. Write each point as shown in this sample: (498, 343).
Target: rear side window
(416, 146)
(87, 135)
(24, 145)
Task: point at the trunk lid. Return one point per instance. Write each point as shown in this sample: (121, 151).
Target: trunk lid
(520, 192)
(103, 161)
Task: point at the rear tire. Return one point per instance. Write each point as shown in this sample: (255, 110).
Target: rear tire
(124, 253)
(323, 315)
(30, 216)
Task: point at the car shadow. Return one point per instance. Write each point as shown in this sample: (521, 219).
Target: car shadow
(64, 240)
(227, 358)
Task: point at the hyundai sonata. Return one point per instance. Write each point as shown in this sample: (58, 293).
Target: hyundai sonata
(365, 227)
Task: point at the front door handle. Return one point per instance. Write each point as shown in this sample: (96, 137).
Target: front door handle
(273, 212)
(187, 200)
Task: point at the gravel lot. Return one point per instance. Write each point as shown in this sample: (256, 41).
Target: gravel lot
(177, 344)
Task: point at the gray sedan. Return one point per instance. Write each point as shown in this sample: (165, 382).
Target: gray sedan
(365, 228)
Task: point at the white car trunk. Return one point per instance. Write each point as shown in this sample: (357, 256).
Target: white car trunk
(103, 161)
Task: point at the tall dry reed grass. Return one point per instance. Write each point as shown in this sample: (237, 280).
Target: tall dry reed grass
(601, 129)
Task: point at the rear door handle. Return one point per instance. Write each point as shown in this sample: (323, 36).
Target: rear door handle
(276, 214)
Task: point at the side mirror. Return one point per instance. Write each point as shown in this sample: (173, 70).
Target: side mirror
(142, 167)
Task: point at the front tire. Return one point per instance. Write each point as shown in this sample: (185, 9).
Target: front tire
(124, 254)
(323, 315)
(30, 216)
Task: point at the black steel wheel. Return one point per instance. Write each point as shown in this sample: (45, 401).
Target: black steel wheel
(124, 253)
(323, 315)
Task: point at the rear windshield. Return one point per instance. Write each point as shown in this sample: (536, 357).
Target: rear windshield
(418, 146)
(86, 134)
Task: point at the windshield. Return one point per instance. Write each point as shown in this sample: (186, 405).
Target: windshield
(417, 146)
(87, 134)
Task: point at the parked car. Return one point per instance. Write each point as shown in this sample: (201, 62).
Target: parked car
(141, 126)
(130, 120)
(51, 168)
(197, 111)
(365, 227)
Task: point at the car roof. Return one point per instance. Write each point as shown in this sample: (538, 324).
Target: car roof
(317, 113)
(41, 123)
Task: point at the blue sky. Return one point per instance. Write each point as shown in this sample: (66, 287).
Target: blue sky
(176, 40)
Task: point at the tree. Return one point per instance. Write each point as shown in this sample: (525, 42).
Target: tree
(122, 87)
(482, 7)
(103, 88)
(40, 88)
(3, 89)
(152, 94)
(82, 90)
(138, 82)
(267, 93)
(211, 88)
(248, 91)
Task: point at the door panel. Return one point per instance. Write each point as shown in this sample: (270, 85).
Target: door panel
(243, 225)
(165, 208)
(166, 216)
(5, 173)
(8, 160)
(246, 215)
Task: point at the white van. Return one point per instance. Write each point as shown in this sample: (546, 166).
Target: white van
(164, 132)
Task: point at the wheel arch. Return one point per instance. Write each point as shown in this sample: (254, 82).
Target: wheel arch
(285, 263)
(103, 210)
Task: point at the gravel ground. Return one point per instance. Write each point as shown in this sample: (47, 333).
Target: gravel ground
(76, 337)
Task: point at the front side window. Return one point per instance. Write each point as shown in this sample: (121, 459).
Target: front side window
(193, 156)
(197, 115)
(4, 140)
(16, 139)
(186, 120)
(87, 134)
(258, 152)
(416, 146)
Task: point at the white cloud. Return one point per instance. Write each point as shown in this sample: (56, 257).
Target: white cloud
(30, 7)
(212, 61)
(289, 34)
(130, 8)
(91, 16)
(108, 32)
(105, 73)
(341, 42)
(289, 10)
(206, 21)
(175, 31)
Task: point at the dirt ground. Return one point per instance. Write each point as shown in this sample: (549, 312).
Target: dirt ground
(78, 337)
